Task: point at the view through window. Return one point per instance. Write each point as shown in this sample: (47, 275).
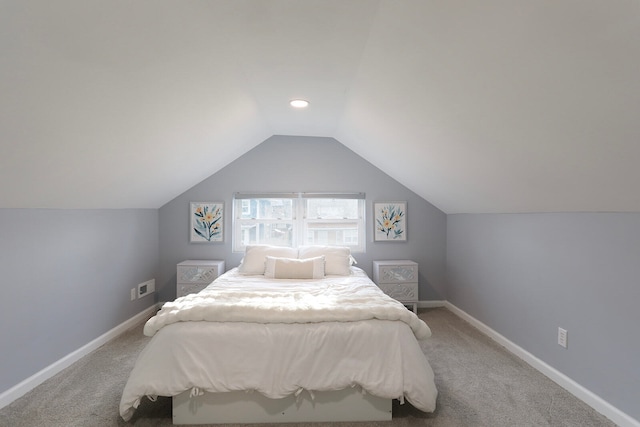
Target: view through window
(294, 219)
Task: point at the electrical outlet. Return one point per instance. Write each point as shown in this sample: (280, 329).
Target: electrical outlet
(562, 337)
(133, 294)
(152, 285)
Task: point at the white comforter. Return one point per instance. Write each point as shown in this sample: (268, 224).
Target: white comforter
(278, 337)
(256, 299)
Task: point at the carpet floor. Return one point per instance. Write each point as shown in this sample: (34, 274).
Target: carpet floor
(479, 383)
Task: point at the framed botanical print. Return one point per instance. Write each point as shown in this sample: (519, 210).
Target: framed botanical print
(390, 221)
(206, 224)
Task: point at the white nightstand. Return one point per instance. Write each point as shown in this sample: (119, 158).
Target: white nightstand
(194, 275)
(399, 280)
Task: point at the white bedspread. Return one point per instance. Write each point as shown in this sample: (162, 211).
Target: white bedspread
(256, 299)
(353, 335)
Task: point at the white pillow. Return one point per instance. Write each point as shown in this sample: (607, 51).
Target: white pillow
(255, 257)
(337, 259)
(294, 268)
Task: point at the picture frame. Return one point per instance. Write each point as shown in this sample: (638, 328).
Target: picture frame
(206, 223)
(390, 221)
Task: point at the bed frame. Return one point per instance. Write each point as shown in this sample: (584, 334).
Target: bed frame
(245, 407)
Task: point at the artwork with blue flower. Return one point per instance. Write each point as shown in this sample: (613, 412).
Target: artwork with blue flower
(206, 222)
(390, 221)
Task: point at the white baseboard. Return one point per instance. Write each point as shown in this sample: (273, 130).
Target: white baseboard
(38, 378)
(431, 304)
(591, 399)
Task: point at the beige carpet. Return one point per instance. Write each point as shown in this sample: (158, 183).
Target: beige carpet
(479, 383)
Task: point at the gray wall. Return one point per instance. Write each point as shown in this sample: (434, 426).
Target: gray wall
(284, 163)
(66, 280)
(66, 274)
(524, 275)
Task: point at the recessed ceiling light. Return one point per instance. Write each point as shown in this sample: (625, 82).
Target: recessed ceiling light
(299, 103)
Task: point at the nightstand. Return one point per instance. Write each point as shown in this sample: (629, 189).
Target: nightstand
(194, 275)
(399, 280)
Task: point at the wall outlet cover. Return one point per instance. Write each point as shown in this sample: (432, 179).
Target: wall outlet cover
(562, 337)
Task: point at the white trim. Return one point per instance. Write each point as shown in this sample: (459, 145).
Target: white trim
(38, 378)
(431, 304)
(588, 397)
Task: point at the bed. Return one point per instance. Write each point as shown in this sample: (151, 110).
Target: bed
(289, 335)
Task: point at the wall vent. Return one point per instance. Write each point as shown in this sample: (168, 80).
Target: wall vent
(146, 288)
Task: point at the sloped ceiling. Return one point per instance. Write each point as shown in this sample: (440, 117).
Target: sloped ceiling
(477, 106)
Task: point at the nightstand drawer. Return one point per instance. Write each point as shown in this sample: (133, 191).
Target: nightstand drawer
(186, 289)
(401, 271)
(197, 274)
(401, 291)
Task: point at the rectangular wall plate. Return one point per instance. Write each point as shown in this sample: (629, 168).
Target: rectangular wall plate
(562, 337)
(146, 288)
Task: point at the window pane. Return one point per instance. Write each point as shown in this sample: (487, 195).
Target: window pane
(271, 233)
(266, 209)
(246, 208)
(332, 208)
(332, 233)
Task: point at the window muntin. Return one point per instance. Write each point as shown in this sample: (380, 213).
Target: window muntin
(299, 219)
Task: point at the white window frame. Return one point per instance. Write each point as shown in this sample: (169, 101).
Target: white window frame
(300, 221)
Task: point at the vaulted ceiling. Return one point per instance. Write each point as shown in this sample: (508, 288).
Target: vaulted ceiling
(477, 106)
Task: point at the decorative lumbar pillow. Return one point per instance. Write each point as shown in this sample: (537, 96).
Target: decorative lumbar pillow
(294, 268)
(338, 259)
(255, 257)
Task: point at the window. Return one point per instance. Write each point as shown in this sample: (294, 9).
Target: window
(294, 219)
